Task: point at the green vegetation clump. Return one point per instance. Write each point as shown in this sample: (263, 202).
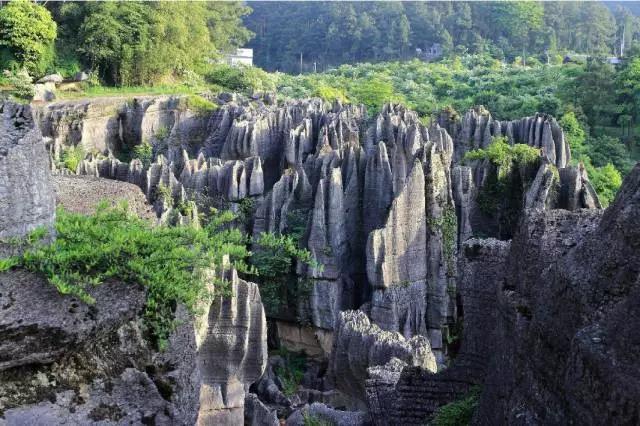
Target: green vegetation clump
(291, 373)
(144, 153)
(72, 156)
(27, 32)
(504, 156)
(198, 104)
(513, 167)
(457, 413)
(112, 244)
(447, 225)
(274, 263)
(330, 94)
(244, 79)
(309, 420)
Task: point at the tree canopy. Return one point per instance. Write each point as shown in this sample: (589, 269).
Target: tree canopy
(27, 32)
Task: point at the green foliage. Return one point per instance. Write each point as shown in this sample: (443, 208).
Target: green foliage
(28, 31)
(309, 420)
(330, 94)
(198, 104)
(374, 92)
(606, 180)
(447, 225)
(144, 151)
(502, 30)
(291, 373)
(274, 261)
(240, 78)
(501, 194)
(72, 156)
(20, 84)
(140, 43)
(172, 263)
(457, 413)
(503, 155)
(574, 133)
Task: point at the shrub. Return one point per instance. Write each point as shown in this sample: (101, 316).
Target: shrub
(457, 413)
(606, 180)
(241, 78)
(20, 82)
(72, 156)
(144, 152)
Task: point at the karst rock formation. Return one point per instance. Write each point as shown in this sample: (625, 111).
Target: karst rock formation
(393, 212)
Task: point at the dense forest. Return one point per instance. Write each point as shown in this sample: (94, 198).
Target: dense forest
(319, 35)
(509, 56)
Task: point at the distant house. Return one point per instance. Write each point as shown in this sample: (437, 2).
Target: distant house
(240, 57)
(433, 52)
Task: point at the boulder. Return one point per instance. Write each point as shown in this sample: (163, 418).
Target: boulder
(51, 78)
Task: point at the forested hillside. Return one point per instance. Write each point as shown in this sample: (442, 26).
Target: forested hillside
(325, 34)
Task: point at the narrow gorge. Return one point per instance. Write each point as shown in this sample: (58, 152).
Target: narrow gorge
(452, 256)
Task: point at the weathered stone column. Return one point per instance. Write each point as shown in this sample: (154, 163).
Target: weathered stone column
(26, 193)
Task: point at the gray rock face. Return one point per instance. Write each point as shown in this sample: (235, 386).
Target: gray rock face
(359, 344)
(96, 362)
(581, 281)
(320, 412)
(400, 394)
(131, 398)
(231, 337)
(26, 193)
(257, 414)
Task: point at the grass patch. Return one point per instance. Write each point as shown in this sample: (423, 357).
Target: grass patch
(457, 413)
(104, 91)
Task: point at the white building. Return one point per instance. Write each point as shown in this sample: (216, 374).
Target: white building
(240, 57)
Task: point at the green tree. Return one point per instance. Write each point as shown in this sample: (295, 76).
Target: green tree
(27, 32)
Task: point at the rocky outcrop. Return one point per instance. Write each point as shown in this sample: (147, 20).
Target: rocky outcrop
(478, 128)
(566, 346)
(113, 124)
(96, 364)
(319, 412)
(231, 340)
(360, 344)
(400, 394)
(26, 194)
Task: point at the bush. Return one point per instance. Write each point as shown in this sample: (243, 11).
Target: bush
(28, 31)
(144, 152)
(20, 83)
(291, 374)
(606, 181)
(457, 413)
(241, 78)
(72, 156)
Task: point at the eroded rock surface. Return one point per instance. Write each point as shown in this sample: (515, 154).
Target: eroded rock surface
(567, 351)
(26, 195)
(360, 344)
